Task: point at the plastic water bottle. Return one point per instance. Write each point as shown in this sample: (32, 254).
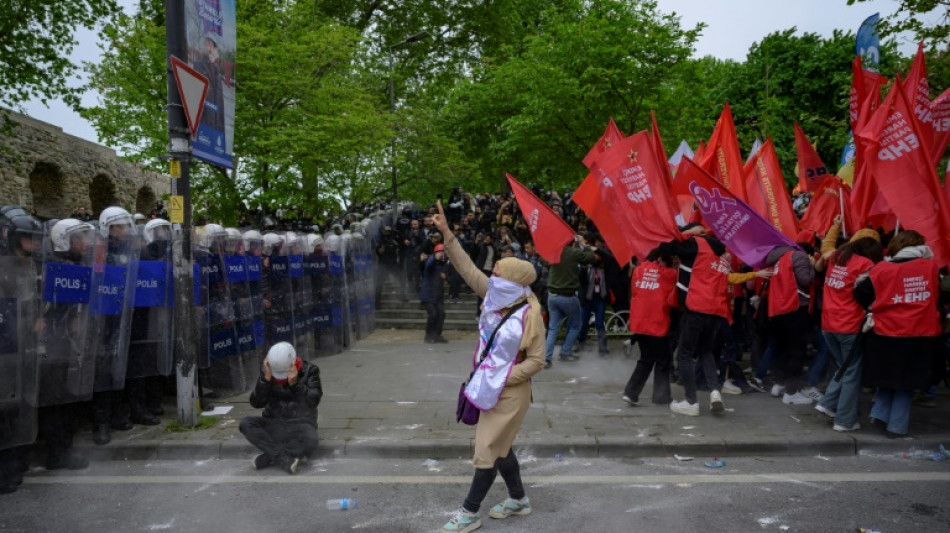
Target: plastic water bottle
(341, 504)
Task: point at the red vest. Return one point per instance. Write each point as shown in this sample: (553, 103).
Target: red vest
(650, 291)
(905, 298)
(708, 286)
(840, 312)
(783, 288)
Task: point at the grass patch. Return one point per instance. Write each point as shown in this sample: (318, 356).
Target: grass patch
(204, 422)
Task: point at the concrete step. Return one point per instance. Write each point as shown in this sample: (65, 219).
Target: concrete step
(420, 324)
(454, 314)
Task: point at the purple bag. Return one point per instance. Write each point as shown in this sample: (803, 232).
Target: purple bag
(466, 412)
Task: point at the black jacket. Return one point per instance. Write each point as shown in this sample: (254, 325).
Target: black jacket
(297, 403)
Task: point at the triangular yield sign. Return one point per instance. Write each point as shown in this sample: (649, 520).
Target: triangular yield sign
(192, 87)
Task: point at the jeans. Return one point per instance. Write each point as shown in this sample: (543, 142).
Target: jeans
(561, 308)
(728, 363)
(892, 406)
(276, 437)
(819, 363)
(597, 306)
(766, 360)
(842, 396)
(698, 333)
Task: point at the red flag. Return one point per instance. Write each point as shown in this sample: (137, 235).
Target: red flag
(626, 186)
(767, 192)
(904, 173)
(611, 136)
(549, 232)
(917, 93)
(722, 158)
(940, 114)
(824, 207)
(812, 171)
(700, 152)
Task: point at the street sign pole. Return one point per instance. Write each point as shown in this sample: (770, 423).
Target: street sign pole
(184, 333)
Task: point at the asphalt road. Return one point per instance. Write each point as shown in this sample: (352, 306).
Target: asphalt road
(810, 494)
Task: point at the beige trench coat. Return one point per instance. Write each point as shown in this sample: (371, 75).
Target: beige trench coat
(497, 427)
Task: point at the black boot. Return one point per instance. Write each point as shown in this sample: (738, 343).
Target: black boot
(144, 418)
(68, 460)
(155, 409)
(101, 434)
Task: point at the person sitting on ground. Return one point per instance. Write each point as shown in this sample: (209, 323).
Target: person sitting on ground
(289, 390)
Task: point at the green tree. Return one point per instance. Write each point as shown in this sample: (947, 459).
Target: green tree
(37, 37)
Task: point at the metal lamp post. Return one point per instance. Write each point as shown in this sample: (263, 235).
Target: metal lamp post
(392, 102)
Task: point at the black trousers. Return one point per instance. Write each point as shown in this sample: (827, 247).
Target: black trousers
(56, 428)
(655, 357)
(276, 437)
(697, 335)
(436, 318)
(484, 477)
(791, 333)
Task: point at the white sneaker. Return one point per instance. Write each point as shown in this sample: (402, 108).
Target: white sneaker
(838, 427)
(685, 408)
(824, 410)
(812, 392)
(757, 384)
(796, 399)
(630, 401)
(730, 388)
(715, 402)
(777, 390)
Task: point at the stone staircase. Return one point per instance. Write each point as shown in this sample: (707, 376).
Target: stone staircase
(393, 313)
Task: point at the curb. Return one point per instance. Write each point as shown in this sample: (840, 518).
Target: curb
(592, 447)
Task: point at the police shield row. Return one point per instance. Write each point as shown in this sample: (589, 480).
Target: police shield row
(86, 315)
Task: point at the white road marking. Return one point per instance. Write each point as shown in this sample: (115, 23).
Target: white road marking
(722, 479)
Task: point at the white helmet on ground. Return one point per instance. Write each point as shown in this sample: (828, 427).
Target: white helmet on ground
(63, 231)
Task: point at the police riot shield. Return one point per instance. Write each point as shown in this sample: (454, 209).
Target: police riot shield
(278, 298)
(224, 374)
(67, 369)
(151, 339)
(18, 357)
(252, 325)
(301, 297)
(249, 324)
(327, 341)
(336, 289)
(114, 273)
(362, 269)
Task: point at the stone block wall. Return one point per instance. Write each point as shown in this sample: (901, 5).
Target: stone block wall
(43, 167)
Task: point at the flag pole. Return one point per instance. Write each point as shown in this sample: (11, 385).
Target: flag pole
(844, 226)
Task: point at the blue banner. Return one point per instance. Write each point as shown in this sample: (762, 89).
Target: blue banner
(152, 287)
(336, 264)
(66, 284)
(321, 264)
(295, 266)
(260, 335)
(8, 326)
(222, 344)
(868, 43)
(279, 266)
(109, 290)
(212, 269)
(253, 266)
(245, 338)
(236, 268)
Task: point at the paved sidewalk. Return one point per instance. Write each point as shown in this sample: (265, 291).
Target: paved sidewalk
(392, 396)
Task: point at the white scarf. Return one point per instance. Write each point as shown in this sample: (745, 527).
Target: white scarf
(503, 294)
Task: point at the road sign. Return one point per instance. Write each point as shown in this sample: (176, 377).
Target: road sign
(174, 168)
(176, 209)
(193, 87)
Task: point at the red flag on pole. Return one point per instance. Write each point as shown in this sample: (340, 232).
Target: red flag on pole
(549, 232)
(611, 136)
(659, 150)
(812, 171)
(722, 158)
(917, 93)
(940, 114)
(767, 192)
(904, 172)
(627, 181)
(825, 205)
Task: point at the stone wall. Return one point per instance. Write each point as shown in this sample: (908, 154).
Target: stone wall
(43, 167)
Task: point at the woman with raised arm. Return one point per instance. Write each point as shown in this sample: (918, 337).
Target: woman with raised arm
(501, 384)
